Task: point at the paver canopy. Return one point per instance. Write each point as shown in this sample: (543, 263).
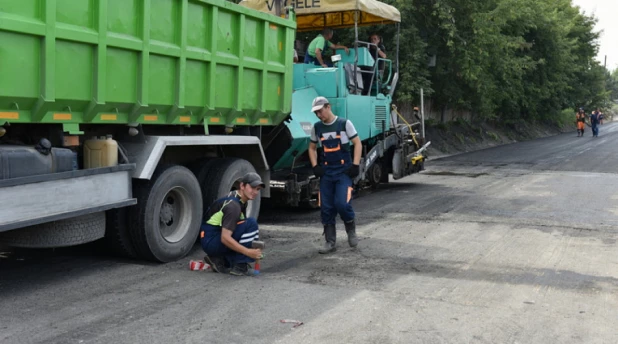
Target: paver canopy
(316, 14)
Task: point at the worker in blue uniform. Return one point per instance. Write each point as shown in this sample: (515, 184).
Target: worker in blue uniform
(227, 233)
(595, 118)
(337, 170)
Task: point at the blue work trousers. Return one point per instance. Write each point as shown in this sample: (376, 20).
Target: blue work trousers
(335, 196)
(245, 233)
(595, 129)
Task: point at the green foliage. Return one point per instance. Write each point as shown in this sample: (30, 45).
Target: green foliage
(493, 136)
(565, 118)
(513, 59)
(612, 85)
(612, 113)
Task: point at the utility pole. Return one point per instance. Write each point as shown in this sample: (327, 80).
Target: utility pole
(422, 115)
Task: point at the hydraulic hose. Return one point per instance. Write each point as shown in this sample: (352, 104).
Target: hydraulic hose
(408, 124)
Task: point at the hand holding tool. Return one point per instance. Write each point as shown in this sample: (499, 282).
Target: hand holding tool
(260, 245)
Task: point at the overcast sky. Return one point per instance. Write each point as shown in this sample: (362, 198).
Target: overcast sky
(606, 13)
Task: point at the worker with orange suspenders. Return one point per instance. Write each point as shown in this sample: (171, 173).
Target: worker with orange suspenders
(336, 170)
(580, 118)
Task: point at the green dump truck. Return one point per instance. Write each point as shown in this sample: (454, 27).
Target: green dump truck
(122, 120)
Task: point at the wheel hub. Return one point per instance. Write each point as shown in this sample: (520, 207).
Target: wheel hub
(174, 215)
(375, 174)
(167, 211)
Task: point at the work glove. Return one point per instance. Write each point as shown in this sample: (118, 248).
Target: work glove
(318, 171)
(353, 171)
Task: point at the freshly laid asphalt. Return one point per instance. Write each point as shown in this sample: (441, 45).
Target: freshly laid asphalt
(512, 244)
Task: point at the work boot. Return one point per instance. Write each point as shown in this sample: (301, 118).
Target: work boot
(330, 232)
(217, 264)
(240, 269)
(350, 228)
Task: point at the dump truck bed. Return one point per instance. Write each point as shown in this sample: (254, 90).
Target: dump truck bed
(143, 61)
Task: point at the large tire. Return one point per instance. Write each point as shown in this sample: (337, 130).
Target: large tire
(63, 233)
(223, 178)
(202, 171)
(197, 166)
(117, 236)
(167, 217)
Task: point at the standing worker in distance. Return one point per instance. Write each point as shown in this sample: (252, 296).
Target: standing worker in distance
(227, 234)
(594, 122)
(376, 51)
(336, 170)
(580, 119)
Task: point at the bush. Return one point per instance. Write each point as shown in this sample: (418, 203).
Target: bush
(442, 126)
(565, 118)
(493, 136)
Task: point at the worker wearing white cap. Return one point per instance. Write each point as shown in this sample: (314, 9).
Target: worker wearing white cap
(336, 170)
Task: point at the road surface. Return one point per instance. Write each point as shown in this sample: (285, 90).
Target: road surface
(513, 244)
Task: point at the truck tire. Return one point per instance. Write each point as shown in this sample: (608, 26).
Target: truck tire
(63, 233)
(222, 179)
(197, 166)
(166, 220)
(202, 172)
(117, 236)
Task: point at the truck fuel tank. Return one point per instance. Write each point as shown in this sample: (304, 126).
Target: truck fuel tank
(23, 161)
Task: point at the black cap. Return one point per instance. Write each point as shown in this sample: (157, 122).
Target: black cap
(252, 179)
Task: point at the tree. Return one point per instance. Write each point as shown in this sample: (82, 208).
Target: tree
(613, 85)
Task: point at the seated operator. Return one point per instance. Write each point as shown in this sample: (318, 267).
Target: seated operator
(317, 47)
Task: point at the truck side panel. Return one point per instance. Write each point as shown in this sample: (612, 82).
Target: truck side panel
(51, 197)
(143, 61)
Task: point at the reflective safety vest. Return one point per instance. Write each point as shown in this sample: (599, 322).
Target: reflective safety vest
(216, 218)
(212, 225)
(334, 152)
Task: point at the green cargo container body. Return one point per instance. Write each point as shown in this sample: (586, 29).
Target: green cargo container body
(143, 61)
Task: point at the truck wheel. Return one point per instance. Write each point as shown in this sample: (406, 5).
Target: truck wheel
(167, 217)
(197, 167)
(223, 178)
(63, 233)
(202, 172)
(117, 237)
